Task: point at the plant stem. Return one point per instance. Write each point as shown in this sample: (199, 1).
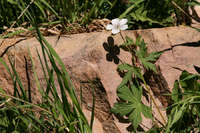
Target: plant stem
(154, 102)
(122, 36)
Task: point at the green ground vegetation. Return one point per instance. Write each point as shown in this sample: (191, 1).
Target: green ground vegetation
(140, 13)
(55, 113)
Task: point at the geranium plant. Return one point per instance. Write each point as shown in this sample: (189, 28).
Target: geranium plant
(130, 90)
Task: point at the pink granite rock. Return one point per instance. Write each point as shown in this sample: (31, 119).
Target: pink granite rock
(85, 59)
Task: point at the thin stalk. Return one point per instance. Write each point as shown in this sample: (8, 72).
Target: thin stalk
(154, 102)
(21, 14)
(122, 36)
(18, 99)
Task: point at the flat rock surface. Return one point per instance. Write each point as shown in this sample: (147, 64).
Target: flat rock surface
(85, 59)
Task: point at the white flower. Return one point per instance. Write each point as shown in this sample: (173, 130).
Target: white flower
(117, 25)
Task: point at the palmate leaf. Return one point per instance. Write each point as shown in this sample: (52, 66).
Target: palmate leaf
(123, 67)
(145, 58)
(130, 70)
(153, 56)
(135, 117)
(125, 94)
(126, 78)
(137, 91)
(148, 65)
(142, 45)
(146, 111)
(122, 108)
(131, 105)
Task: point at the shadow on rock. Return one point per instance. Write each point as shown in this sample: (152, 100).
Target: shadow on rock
(112, 49)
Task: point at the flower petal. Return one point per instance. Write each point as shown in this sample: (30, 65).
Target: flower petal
(115, 30)
(115, 21)
(109, 27)
(123, 21)
(123, 27)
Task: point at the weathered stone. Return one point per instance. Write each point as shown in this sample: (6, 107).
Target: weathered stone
(97, 125)
(85, 59)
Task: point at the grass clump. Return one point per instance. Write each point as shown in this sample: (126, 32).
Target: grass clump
(57, 112)
(61, 11)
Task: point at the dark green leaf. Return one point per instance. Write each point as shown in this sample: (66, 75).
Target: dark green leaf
(178, 113)
(126, 78)
(148, 65)
(146, 111)
(146, 59)
(176, 92)
(124, 66)
(122, 108)
(137, 92)
(135, 116)
(129, 41)
(137, 72)
(189, 81)
(132, 105)
(125, 94)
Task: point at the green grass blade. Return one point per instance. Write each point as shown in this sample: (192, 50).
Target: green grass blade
(67, 82)
(93, 109)
(48, 6)
(130, 8)
(35, 74)
(24, 95)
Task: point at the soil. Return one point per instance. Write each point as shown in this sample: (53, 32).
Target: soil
(96, 25)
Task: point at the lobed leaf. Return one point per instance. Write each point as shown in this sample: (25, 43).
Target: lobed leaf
(123, 108)
(125, 94)
(135, 117)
